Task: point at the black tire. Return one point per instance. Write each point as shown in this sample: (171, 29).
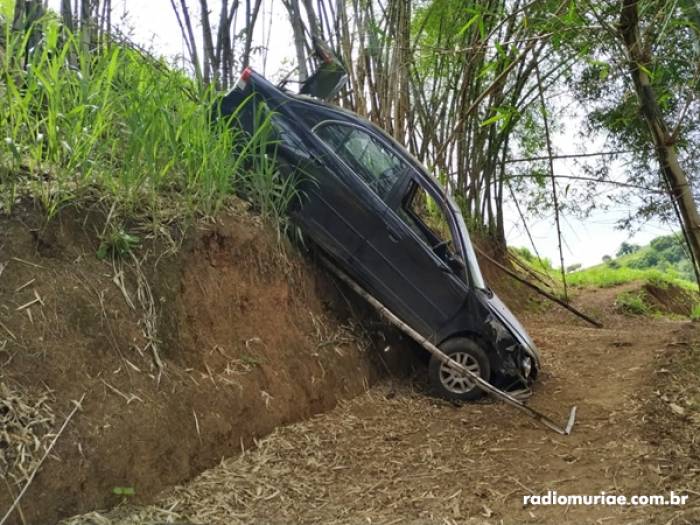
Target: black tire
(446, 383)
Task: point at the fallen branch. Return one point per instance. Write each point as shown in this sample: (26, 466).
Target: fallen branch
(444, 358)
(539, 290)
(78, 405)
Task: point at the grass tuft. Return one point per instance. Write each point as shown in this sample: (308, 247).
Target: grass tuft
(632, 303)
(695, 312)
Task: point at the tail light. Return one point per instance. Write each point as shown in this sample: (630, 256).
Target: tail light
(245, 77)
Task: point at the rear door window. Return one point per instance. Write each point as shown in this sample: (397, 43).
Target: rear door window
(365, 155)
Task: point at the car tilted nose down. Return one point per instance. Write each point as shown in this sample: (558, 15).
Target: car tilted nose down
(386, 223)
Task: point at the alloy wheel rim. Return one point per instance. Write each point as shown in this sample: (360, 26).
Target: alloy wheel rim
(455, 382)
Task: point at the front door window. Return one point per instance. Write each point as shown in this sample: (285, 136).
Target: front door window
(421, 212)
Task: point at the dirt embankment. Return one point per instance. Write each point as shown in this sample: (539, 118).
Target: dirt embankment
(244, 337)
(396, 455)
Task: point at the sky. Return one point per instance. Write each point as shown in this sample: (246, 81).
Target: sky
(152, 24)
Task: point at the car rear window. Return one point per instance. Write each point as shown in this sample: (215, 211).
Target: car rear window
(368, 157)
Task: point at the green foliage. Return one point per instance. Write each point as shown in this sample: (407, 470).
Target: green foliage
(657, 263)
(628, 268)
(543, 264)
(632, 303)
(116, 125)
(669, 32)
(603, 276)
(123, 491)
(118, 244)
(627, 248)
(666, 253)
(695, 313)
(7, 8)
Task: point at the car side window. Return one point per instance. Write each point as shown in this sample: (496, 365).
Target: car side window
(371, 160)
(421, 212)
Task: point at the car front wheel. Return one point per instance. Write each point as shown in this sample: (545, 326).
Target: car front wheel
(449, 383)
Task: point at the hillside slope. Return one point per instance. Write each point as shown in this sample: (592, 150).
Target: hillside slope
(246, 337)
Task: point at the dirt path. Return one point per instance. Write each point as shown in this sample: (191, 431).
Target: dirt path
(395, 455)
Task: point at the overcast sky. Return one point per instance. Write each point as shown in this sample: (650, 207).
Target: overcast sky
(153, 24)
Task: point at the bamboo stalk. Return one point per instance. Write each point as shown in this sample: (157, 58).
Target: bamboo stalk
(539, 290)
(444, 358)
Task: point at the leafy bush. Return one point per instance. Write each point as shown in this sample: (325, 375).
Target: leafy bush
(627, 248)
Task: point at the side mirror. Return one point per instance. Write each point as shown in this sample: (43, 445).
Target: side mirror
(329, 78)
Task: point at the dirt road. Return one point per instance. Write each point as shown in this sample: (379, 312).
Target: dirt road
(396, 455)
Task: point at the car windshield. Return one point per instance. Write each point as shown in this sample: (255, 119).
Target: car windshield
(477, 279)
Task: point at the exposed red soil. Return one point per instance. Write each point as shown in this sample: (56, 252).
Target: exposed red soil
(245, 335)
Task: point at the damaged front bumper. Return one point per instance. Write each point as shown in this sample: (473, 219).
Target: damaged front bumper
(517, 355)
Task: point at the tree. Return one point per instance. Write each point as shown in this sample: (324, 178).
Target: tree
(640, 81)
(627, 248)
(662, 136)
(218, 60)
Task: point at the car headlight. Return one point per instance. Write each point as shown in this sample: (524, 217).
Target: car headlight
(526, 365)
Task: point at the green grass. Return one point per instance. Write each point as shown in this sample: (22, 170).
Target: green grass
(123, 129)
(632, 303)
(695, 313)
(7, 8)
(604, 276)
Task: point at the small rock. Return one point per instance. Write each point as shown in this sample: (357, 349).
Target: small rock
(679, 410)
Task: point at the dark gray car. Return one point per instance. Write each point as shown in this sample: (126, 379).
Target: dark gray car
(386, 222)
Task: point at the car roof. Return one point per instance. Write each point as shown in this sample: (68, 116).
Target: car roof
(323, 111)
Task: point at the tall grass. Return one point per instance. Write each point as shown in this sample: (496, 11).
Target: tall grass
(116, 125)
(604, 277)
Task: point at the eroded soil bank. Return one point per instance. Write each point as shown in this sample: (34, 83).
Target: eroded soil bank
(245, 336)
